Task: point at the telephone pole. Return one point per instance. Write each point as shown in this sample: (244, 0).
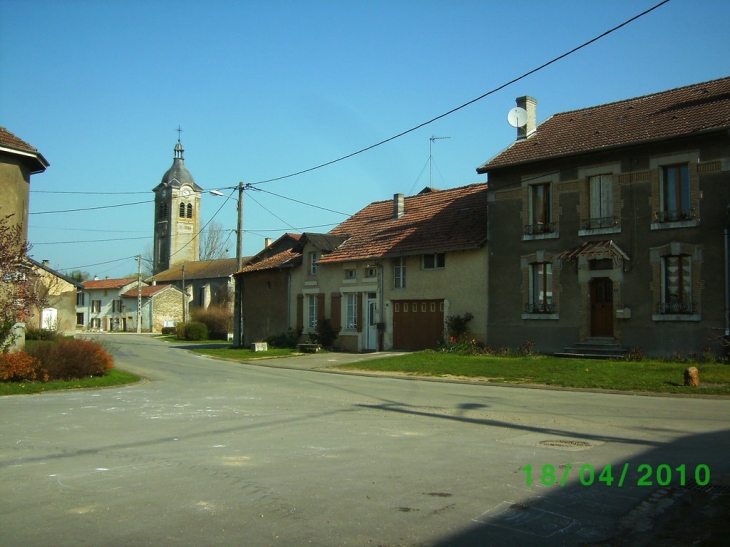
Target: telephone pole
(139, 293)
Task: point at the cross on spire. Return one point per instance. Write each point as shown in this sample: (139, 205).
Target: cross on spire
(179, 130)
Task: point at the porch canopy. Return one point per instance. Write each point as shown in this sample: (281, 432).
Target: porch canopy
(596, 250)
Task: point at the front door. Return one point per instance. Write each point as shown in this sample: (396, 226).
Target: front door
(371, 333)
(602, 307)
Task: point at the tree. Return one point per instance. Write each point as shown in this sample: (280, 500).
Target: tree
(21, 289)
(213, 241)
(79, 275)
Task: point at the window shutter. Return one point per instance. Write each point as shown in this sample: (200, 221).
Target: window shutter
(359, 312)
(300, 312)
(336, 311)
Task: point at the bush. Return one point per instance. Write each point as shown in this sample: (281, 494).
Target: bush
(219, 321)
(19, 367)
(71, 358)
(286, 339)
(196, 331)
(458, 326)
(41, 334)
(325, 335)
(167, 331)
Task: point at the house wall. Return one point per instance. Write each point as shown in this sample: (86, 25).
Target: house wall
(163, 306)
(265, 310)
(461, 284)
(61, 297)
(15, 181)
(107, 316)
(637, 283)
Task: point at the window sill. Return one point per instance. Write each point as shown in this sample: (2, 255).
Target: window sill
(536, 237)
(600, 231)
(541, 316)
(677, 224)
(676, 317)
(370, 280)
(349, 280)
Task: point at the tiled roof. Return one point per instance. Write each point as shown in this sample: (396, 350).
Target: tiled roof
(18, 146)
(148, 290)
(324, 242)
(9, 139)
(284, 259)
(201, 269)
(438, 221)
(680, 111)
(108, 283)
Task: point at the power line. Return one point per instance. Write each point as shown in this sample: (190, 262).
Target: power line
(84, 193)
(301, 202)
(90, 208)
(90, 240)
(487, 94)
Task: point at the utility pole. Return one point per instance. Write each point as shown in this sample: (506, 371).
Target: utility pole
(184, 297)
(139, 293)
(238, 292)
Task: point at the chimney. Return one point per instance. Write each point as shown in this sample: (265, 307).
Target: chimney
(398, 206)
(154, 282)
(46, 263)
(530, 105)
(267, 242)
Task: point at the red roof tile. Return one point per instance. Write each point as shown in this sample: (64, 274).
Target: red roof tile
(680, 111)
(284, 259)
(147, 290)
(438, 221)
(108, 283)
(9, 139)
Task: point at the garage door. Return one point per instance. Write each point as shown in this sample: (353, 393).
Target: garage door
(417, 324)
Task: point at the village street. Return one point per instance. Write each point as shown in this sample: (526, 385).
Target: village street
(208, 452)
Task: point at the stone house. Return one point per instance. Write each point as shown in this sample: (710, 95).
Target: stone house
(388, 277)
(613, 226)
(100, 307)
(162, 306)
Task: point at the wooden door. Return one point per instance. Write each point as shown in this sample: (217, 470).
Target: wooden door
(602, 307)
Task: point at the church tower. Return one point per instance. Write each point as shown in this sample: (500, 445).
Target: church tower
(177, 215)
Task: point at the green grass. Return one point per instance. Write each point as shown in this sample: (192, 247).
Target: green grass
(114, 377)
(653, 376)
(244, 354)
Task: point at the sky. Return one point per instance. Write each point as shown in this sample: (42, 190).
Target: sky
(266, 89)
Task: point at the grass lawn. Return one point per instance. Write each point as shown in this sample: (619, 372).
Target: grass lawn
(244, 354)
(113, 378)
(654, 376)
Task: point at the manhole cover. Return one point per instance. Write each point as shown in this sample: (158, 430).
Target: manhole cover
(564, 443)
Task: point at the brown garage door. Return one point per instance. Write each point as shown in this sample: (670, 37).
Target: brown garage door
(417, 324)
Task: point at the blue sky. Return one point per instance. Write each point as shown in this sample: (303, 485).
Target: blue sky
(266, 89)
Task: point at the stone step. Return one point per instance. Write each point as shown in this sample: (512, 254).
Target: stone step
(594, 348)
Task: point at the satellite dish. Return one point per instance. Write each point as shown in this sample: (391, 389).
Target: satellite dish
(517, 117)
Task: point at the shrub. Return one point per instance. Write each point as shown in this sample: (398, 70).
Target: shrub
(286, 339)
(167, 331)
(196, 331)
(634, 354)
(72, 358)
(41, 334)
(180, 330)
(526, 349)
(19, 367)
(218, 321)
(458, 326)
(325, 335)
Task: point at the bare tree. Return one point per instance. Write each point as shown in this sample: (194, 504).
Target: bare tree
(21, 290)
(213, 242)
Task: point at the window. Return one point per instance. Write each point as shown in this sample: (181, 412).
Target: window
(350, 274)
(675, 194)
(95, 306)
(182, 210)
(371, 272)
(434, 261)
(351, 311)
(399, 273)
(540, 214)
(116, 306)
(114, 324)
(541, 288)
(313, 263)
(312, 311)
(96, 323)
(676, 284)
(79, 298)
(79, 319)
(600, 188)
(190, 210)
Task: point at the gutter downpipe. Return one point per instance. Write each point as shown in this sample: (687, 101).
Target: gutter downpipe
(381, 311)
(727, 278)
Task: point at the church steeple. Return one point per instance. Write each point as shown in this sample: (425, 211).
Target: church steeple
(177, 214)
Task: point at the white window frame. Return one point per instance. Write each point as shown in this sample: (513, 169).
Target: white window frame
(600, 195)
(351, 311)
(399, 273)
(434, 261)
(312, 311)
(541, 294)
(96, 306)
(313, 257)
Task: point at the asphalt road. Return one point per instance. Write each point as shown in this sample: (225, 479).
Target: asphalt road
(215, 453)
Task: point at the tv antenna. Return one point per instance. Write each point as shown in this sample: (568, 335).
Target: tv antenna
(430, 158)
